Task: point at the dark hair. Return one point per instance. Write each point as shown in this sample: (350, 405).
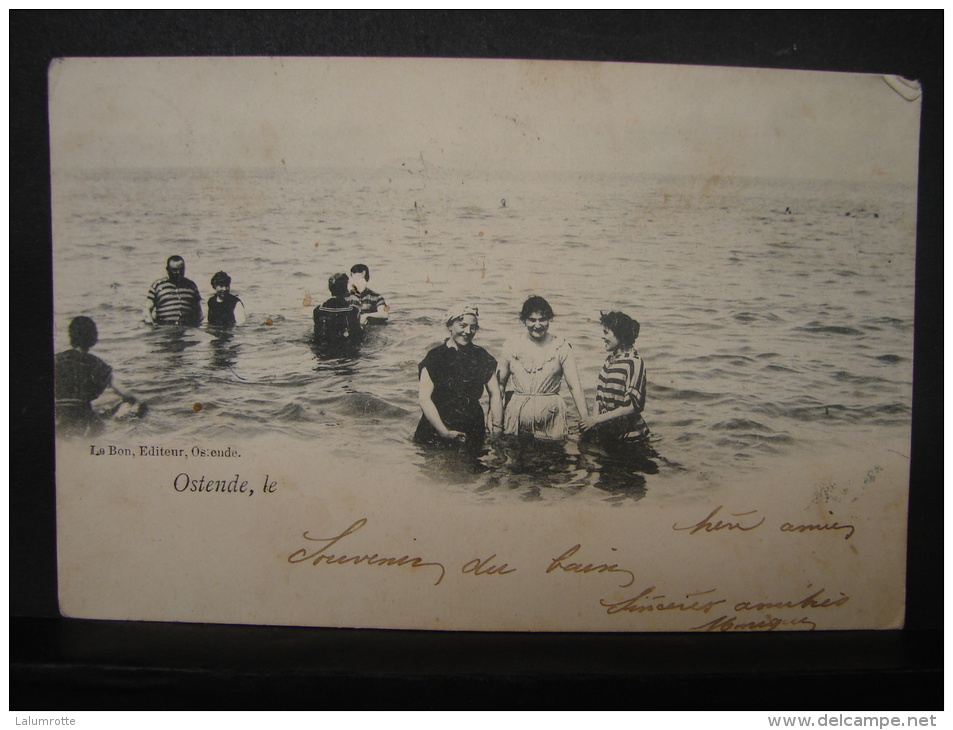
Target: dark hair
(536, 304)
(361, 269)
(175, 258)
(221, 278)
(338, 284)
(83, 333)
(622, 326)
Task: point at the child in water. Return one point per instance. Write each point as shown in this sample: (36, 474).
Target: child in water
(224, 308)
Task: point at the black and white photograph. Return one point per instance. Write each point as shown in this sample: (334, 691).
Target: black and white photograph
(521, 345)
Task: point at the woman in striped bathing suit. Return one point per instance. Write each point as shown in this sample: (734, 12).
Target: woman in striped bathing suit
(620, 394)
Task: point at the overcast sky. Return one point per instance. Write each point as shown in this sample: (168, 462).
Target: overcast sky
(491, 115)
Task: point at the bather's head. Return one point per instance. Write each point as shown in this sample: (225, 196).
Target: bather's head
(536, 315)
(463, 322)
(175, 268)
(620, 331)
(82, 333)
(360, 275)
(338, 285)
(221, 282)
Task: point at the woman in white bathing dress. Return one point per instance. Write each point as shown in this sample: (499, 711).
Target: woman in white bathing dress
(532, 369)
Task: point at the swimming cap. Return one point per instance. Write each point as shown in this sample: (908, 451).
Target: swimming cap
(460, 310)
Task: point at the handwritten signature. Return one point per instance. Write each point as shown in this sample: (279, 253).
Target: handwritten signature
(768, 623)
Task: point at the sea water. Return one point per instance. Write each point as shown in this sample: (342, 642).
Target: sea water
(776, 315)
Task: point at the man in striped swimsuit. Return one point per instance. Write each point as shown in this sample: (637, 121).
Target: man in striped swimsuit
(620, 394)
(175, 299)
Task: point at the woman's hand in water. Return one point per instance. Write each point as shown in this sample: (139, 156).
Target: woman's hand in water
(454, 436)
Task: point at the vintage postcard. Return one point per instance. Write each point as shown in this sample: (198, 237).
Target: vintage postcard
(482, 345)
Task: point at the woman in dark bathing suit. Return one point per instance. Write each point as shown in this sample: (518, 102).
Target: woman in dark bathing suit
(453, 377)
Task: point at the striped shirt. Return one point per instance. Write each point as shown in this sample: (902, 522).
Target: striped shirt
(369, 301)
(622, 383)
(175, 304)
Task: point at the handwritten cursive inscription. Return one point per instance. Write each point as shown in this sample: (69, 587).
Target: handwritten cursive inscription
(558, 564)
(768, 623)
(484, 567)
(646, 602)
(321, 556)
(651, 601)
(788, 527)
(810, 602)
(706, 524)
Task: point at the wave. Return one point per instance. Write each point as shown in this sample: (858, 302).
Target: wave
(778, 369)
(842, 376)
(738, 424)
(293, 412)
(368, 406)
(715, 357)
(835, 412)
(817, 329)
(754, 440)
(747, 317)
(690, 395)
(901, 325)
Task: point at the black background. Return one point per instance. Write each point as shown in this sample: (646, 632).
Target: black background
(67, 664)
